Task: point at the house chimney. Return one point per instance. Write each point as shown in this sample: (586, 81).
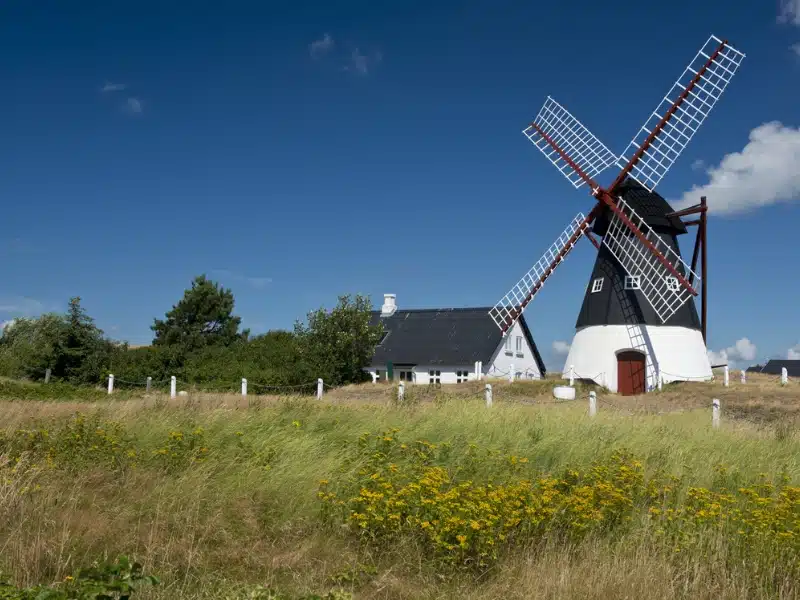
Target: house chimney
(389, 305)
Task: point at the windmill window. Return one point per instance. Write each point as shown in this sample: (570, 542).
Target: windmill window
(508, 345)
(597, 285)
(519, 346)
(672, 284)
(632, 283)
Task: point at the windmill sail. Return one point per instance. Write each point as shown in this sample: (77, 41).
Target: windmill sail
(506, 312)
(660, 286)
(572, 148)
(670, 128)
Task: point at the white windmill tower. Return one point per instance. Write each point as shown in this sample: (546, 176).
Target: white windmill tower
(638, 324)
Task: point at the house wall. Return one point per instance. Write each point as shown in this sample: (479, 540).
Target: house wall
(524, 362)
(447, 373)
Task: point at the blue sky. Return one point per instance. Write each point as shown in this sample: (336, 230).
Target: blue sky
(295, 154)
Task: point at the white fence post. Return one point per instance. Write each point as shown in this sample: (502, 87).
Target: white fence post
(173, 386)
(744, 376)
(715, 413)
(47, 373)
(488, 394)
(110, 384)
(319, 388)
(149, 384)
(571, 375)
(726, 376)
(784, 376)
(480, 370)
(511, 373)
(401, 392)
(592, 404)
(244, 386)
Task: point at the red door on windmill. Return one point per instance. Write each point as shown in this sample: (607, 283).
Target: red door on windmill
(631, 373)
(642, 292)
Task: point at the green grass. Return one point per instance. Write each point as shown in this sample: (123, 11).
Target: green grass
(245, 512)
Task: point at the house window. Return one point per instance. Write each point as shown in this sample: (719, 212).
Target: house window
(462, 376)
(632, 283)
(377, 374)
(597, 285)
(434, 377)
(672, 283)
(406, 376)
(508, 345)
(519, 346)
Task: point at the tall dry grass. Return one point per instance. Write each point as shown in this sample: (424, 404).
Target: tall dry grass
(248, 513)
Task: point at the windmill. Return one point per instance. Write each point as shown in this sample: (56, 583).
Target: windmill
(638, 324)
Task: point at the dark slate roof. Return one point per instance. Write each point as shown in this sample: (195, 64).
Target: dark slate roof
(650, 206)
(442, 336)
(754, 369)
(773, 367)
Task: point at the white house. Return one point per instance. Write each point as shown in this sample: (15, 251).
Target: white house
(442, 345)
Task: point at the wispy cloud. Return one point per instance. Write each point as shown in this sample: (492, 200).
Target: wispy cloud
(766, 171)
(362, 63)
(321, 46)
(561, 348)
(112, 87)
(258, 283)
(20, 306)
(795, 48)
(133, 106)
(789, 12)
(793, 353)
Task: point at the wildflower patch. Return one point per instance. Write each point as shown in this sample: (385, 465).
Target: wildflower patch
(404, 489)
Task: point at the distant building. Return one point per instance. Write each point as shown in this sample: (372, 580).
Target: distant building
(773, 367)
(442, 345)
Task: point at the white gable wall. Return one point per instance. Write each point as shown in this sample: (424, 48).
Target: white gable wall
(520, 357)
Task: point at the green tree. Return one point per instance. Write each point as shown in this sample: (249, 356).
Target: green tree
(70, 344)
(338, 344)
(203, 317)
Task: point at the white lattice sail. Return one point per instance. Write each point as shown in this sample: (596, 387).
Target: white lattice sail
(507, 311)
(662, 290)
(582, 147)
(693, 96)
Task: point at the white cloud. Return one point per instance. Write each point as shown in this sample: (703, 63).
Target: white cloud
(560, 347)
(361, 63)
(133, 106)
(112, 87)
(742, 351)
(766, 171)
(321, 46)
(795, 48)
(793, 353)
(790, 12)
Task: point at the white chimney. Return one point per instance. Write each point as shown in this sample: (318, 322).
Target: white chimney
(389, 305)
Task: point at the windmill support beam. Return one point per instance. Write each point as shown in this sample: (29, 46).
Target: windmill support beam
(704, 283)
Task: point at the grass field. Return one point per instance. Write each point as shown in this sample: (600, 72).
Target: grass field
(222, 497)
